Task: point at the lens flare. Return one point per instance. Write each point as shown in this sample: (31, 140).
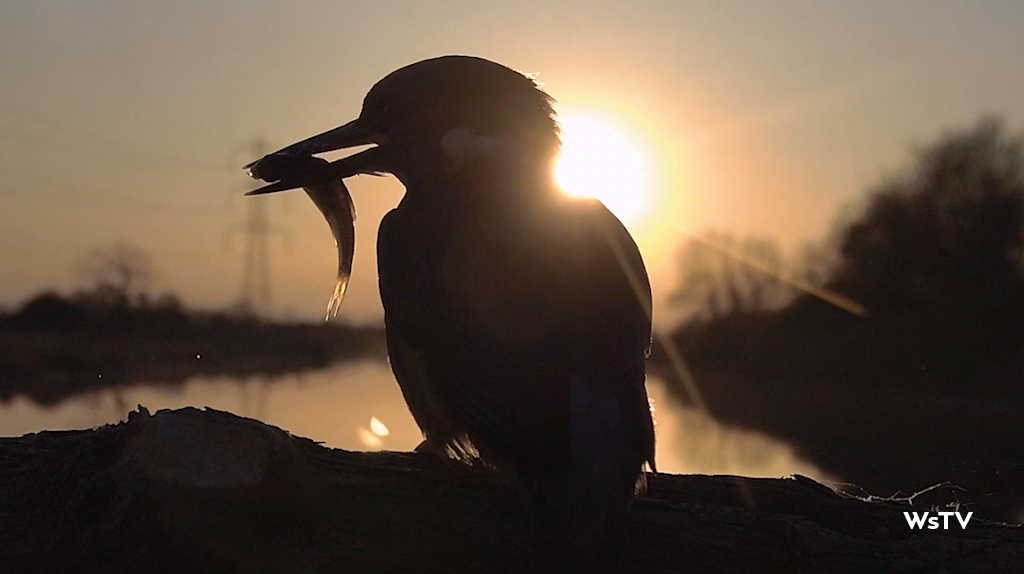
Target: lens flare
(378, 427)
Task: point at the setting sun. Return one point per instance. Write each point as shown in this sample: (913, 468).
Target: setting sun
(598, 162)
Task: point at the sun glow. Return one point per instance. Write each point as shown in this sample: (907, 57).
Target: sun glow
(598, 162)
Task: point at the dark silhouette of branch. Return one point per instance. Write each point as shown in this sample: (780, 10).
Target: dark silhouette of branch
(205, 491)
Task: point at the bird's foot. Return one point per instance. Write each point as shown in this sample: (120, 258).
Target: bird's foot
(445, 456)
(433, 455)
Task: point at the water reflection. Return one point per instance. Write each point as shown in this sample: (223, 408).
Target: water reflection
(358, 406)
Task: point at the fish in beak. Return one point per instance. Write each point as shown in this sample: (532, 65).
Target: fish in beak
(296, 166)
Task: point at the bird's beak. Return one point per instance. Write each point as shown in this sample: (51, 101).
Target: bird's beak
(346, 136)
(294, 166)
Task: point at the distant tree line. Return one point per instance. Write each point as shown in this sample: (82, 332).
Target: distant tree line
(113, 333)
(935, 256)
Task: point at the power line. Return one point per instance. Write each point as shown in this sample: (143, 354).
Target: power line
(62, 195)
(124, 153)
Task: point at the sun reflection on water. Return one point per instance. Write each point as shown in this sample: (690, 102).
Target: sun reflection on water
(344, 406)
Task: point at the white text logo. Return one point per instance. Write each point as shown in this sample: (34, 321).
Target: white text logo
(921, 519)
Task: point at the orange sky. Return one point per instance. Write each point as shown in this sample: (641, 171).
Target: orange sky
(119, 120)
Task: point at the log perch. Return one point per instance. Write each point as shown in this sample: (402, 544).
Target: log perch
(207, 491)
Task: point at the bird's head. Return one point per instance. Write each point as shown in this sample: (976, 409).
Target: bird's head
(438, 118)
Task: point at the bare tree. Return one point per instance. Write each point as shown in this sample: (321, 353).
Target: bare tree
(723, 275)
(120, 269)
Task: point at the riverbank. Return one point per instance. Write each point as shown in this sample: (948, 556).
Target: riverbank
(891, 436)
(55, 348)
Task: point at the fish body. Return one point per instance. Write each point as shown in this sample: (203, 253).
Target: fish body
(335, 203)
(329, 195)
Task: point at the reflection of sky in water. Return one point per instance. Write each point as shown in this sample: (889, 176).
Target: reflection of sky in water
(360, 407)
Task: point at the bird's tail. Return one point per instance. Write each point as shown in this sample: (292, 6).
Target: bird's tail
(580, 514)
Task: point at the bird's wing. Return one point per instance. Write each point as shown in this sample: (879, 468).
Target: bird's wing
(505, 319)
(612, 320)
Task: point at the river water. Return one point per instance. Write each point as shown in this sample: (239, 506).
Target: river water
(358, 406)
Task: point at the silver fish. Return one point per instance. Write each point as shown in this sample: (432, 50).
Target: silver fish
(331, 198)
(335, 203)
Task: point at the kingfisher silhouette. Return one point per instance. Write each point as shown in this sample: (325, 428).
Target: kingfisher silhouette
(517, 318)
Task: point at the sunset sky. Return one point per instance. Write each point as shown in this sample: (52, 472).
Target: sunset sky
(130, 120)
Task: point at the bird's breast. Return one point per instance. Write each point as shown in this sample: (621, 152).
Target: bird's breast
(506, 273)
(497, 271)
